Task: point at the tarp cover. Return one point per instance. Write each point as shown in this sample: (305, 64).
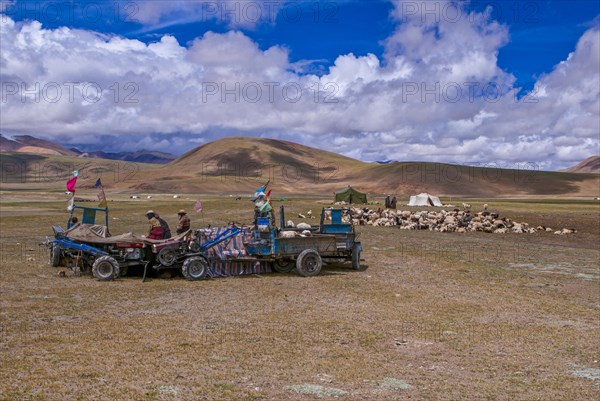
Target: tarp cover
(425, 199)
(350, 195)
(227, 258)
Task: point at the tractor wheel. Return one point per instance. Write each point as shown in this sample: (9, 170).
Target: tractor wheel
(356, 258)
(283, 265)
(309, 263)
(55, 256)
(105, 268)
(167, 256)
(195, 268)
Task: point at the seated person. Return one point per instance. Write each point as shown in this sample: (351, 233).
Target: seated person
(156, 230)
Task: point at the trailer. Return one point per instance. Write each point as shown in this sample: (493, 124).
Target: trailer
(305, 252)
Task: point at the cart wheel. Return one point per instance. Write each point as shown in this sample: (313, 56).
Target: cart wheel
(195, 268)
(55, 256)
(105, 268)
(309, 263)
(283, 265)
(356, 257)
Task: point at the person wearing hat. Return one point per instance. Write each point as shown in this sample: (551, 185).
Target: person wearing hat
(184, 222)
(156, 230)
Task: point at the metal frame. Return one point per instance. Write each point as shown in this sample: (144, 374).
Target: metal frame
(85, 220)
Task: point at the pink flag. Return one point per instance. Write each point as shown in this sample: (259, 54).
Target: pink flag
(198, 206)
(71, 184)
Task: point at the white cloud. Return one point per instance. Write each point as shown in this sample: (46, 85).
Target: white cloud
(364, 106)
(234, 13)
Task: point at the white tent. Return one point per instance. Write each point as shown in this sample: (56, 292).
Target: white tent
(424, 199)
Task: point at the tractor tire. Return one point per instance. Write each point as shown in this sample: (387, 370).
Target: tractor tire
(167, 257)
(309, 263)
(195, 268)
(283, 266)
(105, 268)
(55, 255)
(356, 258)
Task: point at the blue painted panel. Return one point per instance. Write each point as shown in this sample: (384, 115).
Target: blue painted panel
(336, 216)
(337, 228)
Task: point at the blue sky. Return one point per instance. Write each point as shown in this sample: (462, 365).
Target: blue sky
(360, 46)
(542, 32)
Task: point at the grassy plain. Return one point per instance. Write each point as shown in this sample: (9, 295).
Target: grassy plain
(436, 316)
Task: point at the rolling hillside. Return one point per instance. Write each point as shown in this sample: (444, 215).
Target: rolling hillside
(30, 144)
(591, 165)
(239, 165)
(37, 146)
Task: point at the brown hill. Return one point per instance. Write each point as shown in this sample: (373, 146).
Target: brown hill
(589, 165)
(30, 144)
(239, 165)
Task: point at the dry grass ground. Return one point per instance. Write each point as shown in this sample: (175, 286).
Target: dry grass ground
(435, 317)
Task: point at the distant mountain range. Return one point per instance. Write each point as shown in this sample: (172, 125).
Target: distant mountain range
(30, 144)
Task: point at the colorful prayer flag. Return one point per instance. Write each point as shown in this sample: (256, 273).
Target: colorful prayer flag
(266, 208)
(102, 199)
(198, 206)
(71, 184)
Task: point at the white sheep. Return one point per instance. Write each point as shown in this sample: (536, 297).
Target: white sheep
(466, 206)
(485, 206)
(303, 226)
(290, 224)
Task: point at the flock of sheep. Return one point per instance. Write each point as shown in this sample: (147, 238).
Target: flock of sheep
(459, 221)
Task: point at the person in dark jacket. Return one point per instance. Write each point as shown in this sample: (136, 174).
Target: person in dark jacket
(393, 203)
(387, 202)
(164, 225)
(156, 231)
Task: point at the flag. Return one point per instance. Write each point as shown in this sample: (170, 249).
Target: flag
(269, 195)
(71, 184)
(198, 206)
(266, 207)
(101, 195)
(102, 199)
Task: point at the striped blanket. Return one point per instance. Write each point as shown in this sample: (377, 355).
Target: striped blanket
(227, 258)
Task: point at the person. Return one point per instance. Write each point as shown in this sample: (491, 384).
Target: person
(156, 231)
(387, 202)
(164, 225)
(393, 203)
(184, 222)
